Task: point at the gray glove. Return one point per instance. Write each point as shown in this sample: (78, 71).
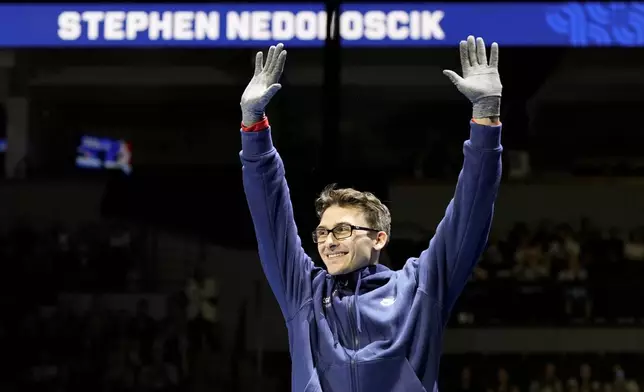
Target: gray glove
(263, 85)
(480, 83)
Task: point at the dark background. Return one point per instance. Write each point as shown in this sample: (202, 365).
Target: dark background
(83, 249)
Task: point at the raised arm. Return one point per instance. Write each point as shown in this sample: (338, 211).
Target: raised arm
(446, 265)
(287, 268)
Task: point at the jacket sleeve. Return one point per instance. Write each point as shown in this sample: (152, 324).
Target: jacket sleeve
(285, 264)
(445, 267)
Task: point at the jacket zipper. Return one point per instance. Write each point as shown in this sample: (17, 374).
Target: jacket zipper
(356, 345)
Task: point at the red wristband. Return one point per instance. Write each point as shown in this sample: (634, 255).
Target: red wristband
(258, 126)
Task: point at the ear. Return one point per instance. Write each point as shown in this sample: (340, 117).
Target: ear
(380, 240)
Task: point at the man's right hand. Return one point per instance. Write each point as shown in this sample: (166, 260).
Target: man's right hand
(263, 85)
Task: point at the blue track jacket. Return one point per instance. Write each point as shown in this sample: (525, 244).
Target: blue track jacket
(374, 330)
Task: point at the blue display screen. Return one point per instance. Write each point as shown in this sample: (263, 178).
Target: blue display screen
(104, 153)
(304, 25)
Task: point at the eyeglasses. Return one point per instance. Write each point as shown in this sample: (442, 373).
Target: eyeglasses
(340, 232)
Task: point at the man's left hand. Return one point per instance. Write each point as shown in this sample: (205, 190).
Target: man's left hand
(480, 83)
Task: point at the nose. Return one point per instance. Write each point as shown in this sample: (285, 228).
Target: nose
(331, 241)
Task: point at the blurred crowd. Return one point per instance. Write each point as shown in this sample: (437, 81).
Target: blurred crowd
(554, 271)
(558, 252)
(51, 345)
(551, 273)
(530, 374)
(91, 257)
(544, 372)
(98, 348)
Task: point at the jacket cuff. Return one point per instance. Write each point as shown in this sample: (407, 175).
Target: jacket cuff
(256, 143)
(258, 126)
(485, 137)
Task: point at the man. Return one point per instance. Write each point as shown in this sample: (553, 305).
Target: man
(359, 326)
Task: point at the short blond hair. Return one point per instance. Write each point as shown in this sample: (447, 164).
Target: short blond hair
(376, 213)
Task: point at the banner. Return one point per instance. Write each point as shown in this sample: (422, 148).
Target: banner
(304, 25)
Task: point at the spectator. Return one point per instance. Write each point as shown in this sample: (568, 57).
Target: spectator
(479, 274)
(503, 381)
(572, 385)
(574, 271)
(586, 382)
(571, 245)
(466, 383)
(619, 383)
(634, 247)
(563, 246)
(549, 381)
(574, 276)
(202, 295)
(530, 263)
(494, 260)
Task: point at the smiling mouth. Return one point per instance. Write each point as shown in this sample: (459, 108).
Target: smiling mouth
(335, 255)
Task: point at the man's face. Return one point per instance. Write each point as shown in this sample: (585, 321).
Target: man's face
(352, 253)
